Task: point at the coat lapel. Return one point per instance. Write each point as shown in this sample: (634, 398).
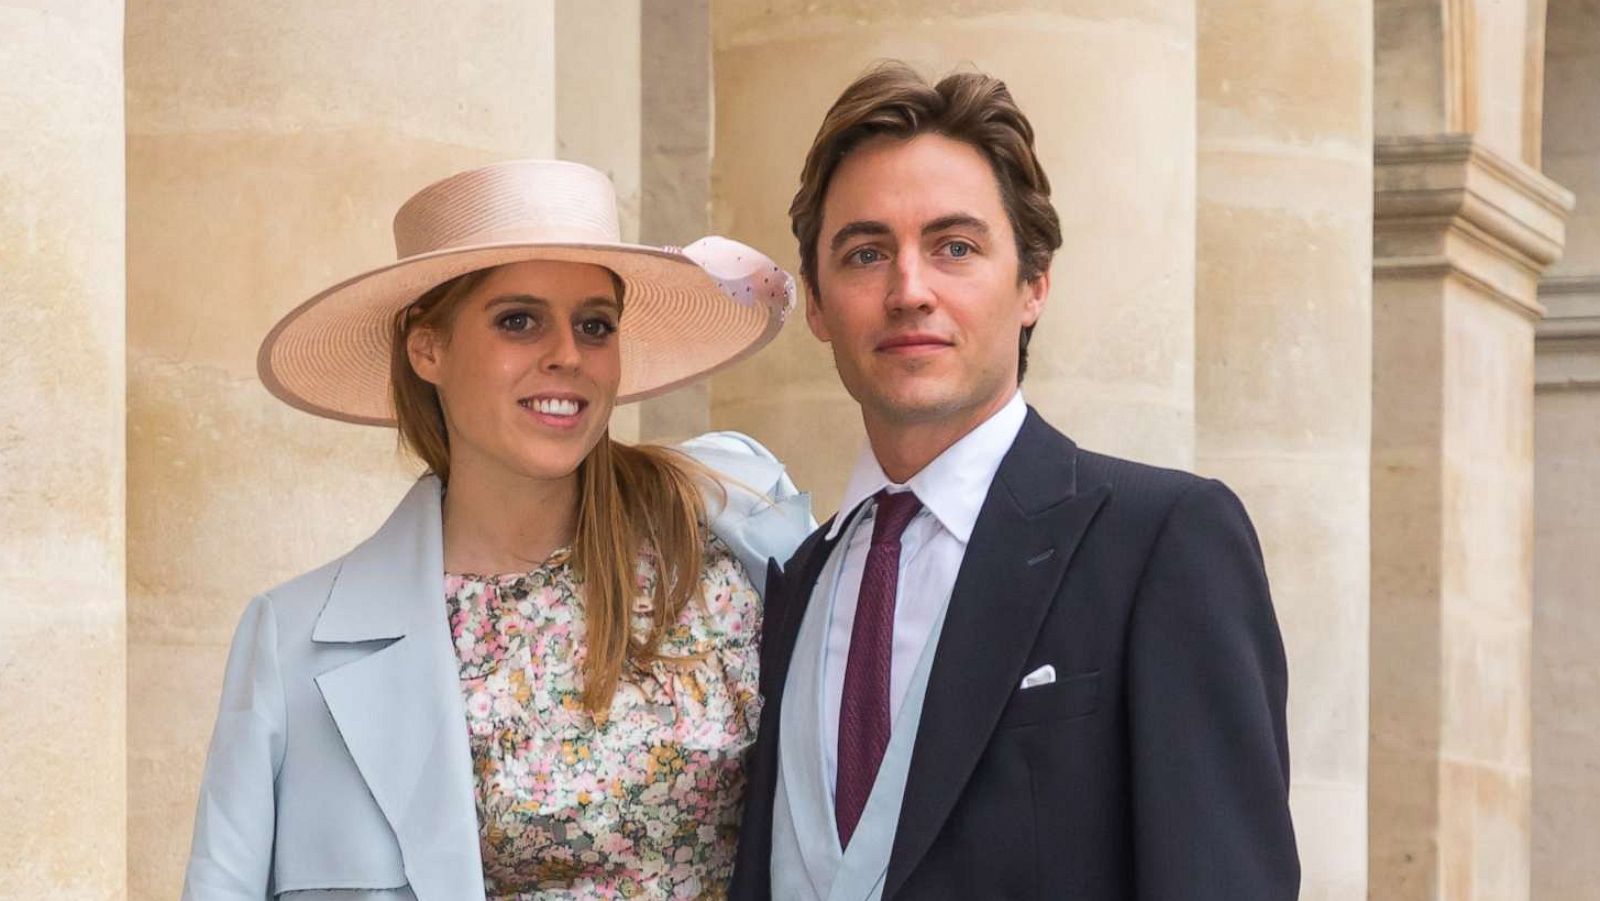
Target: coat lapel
(399, 709)
(1031, 522)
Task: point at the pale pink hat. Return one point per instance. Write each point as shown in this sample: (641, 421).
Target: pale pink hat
(686, 313)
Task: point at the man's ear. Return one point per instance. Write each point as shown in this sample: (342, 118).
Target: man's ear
(423, 349)
(814, 314)
(1037, 292)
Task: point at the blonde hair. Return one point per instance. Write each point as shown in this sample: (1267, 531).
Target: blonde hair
(630, 499)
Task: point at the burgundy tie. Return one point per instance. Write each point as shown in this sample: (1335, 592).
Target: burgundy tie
(864, 705)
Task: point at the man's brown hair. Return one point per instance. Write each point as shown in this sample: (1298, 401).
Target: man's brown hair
(893, 99)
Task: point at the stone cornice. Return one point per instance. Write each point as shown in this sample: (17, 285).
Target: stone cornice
(1568, 340)
(1445, 206)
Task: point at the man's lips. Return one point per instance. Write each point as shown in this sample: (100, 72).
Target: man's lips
(915, 342)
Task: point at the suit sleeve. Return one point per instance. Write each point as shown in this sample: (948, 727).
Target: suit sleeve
(1207, 686)
(231, 856)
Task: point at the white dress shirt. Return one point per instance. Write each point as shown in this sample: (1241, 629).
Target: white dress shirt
(952, 489)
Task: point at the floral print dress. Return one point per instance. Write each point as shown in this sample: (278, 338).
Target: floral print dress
(642, 804)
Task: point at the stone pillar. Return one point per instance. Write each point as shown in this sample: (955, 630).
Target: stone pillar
(1464, 224)
(268, 148)
(597, 114)
(675, 169)
(1110, 90)
(62, 602)
(1566, 611)
(1463, 227)
(1283, 389)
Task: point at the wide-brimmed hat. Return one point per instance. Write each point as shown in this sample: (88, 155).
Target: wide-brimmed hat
(686, 312)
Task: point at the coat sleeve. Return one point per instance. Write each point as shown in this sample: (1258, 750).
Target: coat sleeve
(231, 856)
(755, 508)
(1207, 686)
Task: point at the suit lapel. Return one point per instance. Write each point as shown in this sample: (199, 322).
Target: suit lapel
(794, 596)
(1030, 524)
(399, 709)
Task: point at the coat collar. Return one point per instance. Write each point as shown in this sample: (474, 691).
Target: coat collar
(1032, 521)
(399, 709)
(393, 579)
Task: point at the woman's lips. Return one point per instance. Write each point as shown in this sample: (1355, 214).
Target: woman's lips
(559, 411)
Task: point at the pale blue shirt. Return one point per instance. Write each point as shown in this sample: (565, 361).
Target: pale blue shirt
(952, 489)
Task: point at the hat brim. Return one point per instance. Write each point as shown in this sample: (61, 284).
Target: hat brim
(331, 355)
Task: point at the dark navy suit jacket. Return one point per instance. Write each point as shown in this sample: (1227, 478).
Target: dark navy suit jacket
(1155, 767)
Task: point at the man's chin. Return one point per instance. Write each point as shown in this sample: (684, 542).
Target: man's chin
(915, 407)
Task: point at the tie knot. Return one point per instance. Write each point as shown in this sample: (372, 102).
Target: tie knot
(893, 514)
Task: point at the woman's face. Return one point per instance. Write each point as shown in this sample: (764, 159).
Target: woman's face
(528, 371)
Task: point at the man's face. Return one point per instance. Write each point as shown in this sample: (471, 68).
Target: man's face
(917, 288)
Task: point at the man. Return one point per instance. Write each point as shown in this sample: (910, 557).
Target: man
(1008, 668)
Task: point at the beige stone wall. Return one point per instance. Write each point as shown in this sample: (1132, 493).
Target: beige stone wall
(1566, 620)
(675, 169)
(268, 147)
(62, 775)
(1566, 677)
(1109, 87)
(1283, 389)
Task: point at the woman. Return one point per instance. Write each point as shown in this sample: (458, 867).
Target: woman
(538, 679)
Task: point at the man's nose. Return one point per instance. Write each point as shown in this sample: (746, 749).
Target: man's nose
(909, 288)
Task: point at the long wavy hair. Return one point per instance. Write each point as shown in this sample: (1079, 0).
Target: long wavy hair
(631, 499)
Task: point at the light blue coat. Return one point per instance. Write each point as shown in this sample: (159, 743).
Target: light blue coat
(339, 767)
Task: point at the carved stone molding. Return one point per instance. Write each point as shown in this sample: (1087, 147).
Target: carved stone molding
(1568, 340)
(1444, 206)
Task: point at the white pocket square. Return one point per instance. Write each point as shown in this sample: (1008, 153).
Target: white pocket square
(1044, 675)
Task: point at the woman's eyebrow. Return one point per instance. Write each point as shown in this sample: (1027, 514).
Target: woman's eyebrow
(601, 300)
(505, 300)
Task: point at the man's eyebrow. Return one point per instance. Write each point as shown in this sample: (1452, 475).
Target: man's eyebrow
(859, 227)
(957, 220)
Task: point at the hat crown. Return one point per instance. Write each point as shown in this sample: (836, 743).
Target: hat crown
(520, 201)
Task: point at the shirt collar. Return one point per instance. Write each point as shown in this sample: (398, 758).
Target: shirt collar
(954, 485)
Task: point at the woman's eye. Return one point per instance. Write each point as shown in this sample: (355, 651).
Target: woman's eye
(515, 322)
(596, 328)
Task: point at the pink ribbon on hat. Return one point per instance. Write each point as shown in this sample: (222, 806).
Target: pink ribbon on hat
(745, 274)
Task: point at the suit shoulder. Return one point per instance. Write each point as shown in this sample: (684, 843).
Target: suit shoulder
(1096, 468)
(1145, 491)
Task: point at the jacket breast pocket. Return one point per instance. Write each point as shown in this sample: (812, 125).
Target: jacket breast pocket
(1069, 698)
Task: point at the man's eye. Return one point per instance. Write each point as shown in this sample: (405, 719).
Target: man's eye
(865, 256)
(959, 249)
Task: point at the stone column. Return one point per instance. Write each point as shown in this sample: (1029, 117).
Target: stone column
(1110, 90)
(675, 169)
(1463, 227)
(268, 148)
(62, 602)
(1283, 388)
(1566, 611)
(597, 114)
